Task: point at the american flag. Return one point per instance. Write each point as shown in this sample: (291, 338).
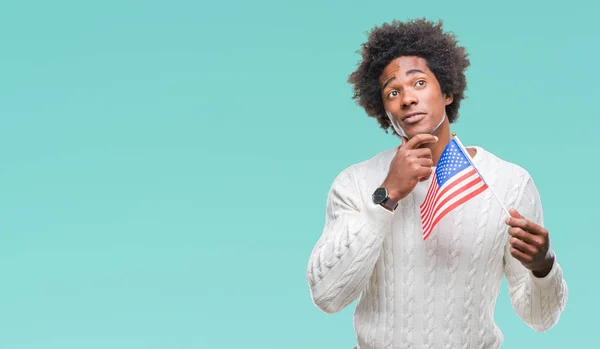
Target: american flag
(454, 182)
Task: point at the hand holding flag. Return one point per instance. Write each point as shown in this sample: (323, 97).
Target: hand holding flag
(530, 244)
(455, 181)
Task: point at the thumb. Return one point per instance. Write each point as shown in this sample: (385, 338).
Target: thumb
(514, 213)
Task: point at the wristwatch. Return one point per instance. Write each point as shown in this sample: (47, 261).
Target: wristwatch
(381, 197)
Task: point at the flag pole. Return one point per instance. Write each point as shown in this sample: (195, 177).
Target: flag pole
(464, 150)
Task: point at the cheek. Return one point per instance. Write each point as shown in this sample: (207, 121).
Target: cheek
(436, 101)
(390, 105)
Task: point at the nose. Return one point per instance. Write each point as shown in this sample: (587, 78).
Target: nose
(408, 99)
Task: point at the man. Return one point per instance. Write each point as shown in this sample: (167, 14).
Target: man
(439, 292)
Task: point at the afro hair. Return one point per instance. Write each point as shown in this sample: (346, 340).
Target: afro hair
(419, 37)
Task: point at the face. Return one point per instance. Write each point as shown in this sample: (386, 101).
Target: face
(413, 96)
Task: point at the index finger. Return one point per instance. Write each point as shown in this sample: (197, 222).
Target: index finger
(419, 139)
(525, 224)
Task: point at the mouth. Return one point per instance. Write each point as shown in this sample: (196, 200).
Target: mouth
(413, 118)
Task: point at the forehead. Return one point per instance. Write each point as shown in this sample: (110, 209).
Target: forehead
(401, 65)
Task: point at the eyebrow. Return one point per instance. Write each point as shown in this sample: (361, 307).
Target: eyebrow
(410, 72)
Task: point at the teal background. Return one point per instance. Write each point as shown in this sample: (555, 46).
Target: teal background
(146, 147)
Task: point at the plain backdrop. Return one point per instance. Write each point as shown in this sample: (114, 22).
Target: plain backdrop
(165, 164)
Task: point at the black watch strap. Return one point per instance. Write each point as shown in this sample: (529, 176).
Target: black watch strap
(390, 204)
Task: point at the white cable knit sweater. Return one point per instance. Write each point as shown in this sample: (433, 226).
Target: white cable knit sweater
(437, 293)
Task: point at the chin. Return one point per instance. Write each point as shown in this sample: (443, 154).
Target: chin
(418, 129)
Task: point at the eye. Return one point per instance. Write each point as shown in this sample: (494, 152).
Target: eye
(393, 94)
(420, 83)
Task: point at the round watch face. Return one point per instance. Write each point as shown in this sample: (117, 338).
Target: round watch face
(379, 195)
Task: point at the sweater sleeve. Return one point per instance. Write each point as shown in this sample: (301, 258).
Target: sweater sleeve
(538, 301)
(344, 257)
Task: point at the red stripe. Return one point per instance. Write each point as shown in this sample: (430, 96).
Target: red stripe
(458, 203)
(467, 186)
(462, 178)
(455, 194)
(431, 201)
(432, 188)
(427, 230)
(427, 207)
(432, 195)
(452, 185)
(461, 190)
(426, 233)
(426, 236)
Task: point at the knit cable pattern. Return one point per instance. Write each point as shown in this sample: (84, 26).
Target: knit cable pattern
(388, 261)
(356, 265)
(491, 201)
(453, 264)
(429, 306)
(473, 264)
(409, 247)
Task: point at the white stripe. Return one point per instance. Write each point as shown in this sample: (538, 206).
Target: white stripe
(459, 196)
(430, 207)
(449, 192)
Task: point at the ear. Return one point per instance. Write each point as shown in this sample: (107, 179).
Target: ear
(449, 99)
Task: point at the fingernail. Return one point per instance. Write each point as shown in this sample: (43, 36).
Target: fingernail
(507, 220)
